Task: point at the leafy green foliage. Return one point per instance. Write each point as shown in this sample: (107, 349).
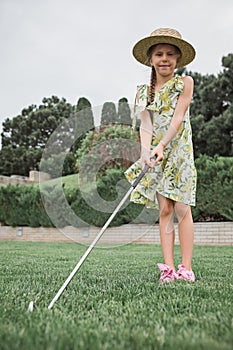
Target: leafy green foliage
(214, 136)
(211, 111)
(33, 127)
(24, 137)
(115, 146)
(210, 98)
(226, 77)
(19, 160)
(52, 165)
(213, 94)
(110, 187)
(22, 205)
(114, 301)
(214, 189)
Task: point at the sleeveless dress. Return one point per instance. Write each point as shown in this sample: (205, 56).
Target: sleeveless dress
(175, 176)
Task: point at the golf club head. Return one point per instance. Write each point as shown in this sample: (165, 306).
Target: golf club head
(31, 306)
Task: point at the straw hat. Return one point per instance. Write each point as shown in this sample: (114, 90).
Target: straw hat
(164, 36)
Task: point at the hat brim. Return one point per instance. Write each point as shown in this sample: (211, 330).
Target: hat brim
(141, 48)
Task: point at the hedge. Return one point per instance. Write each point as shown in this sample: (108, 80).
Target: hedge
(23, 206)
(214, 189)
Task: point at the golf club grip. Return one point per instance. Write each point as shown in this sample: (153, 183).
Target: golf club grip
(143, 172)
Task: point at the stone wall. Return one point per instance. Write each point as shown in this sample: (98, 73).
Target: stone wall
(208, 233)
(34, 177)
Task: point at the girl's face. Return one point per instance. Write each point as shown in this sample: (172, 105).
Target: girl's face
(164, 59)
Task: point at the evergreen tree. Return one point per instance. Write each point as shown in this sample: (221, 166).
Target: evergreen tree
(213, 94)
(25, 136)
(83, 121)
(108, 114)
(181, 71)
(124, 112)
(207, 96)
(214, 136)
(84, 114)
(211, 111)
(226, 78)
(35, 125)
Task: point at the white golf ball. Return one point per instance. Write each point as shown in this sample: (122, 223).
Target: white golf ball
(30, 307)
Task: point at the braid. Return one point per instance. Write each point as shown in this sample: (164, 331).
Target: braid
(152, 84)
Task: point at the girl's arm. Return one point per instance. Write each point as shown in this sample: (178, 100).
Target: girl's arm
(146, 131)
(178, 116)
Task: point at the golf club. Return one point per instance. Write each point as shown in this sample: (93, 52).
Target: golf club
(85, 255)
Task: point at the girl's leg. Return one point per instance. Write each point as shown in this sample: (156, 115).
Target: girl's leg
(186, 233)
(166, 226)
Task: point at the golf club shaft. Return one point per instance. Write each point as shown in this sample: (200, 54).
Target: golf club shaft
(85, 255)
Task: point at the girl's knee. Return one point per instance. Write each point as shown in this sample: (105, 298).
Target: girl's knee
(166, 208)
(182, 210)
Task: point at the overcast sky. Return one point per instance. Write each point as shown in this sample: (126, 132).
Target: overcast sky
(75, 48)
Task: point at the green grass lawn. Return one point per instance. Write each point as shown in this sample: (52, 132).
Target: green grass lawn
(114, 301)
(69, 181)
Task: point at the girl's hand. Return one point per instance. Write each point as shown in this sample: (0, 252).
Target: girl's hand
(146, 158)
(158, 151)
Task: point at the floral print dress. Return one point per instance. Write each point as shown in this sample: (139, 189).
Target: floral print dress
(175, 176)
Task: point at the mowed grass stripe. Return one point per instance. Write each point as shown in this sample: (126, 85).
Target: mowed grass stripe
(114, 301)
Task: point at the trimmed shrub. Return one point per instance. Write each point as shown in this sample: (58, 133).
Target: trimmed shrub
(111, 187)
(105, 147)
(23, 206)
(214, 189)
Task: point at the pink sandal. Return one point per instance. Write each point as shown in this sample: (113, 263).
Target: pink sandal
(167, 275)
(184, 274)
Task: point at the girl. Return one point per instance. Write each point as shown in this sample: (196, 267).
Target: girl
(165, 131)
